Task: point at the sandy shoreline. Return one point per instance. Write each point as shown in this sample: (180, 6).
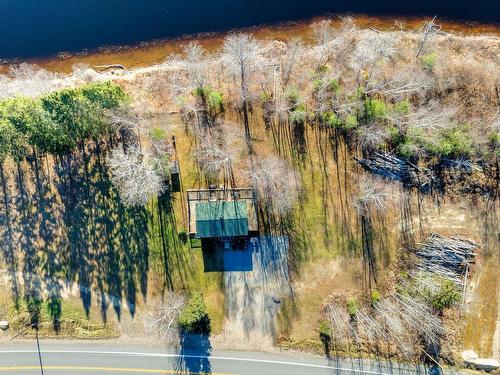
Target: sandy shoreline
(152, 52)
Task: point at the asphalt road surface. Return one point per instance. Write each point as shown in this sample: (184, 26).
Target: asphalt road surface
(111, 359)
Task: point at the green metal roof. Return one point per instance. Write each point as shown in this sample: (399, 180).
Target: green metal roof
(221, 219)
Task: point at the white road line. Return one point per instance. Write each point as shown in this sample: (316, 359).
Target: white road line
(167, 355)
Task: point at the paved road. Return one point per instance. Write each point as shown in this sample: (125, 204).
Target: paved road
(84, 359)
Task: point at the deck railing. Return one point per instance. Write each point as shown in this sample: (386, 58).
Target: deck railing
(219, 194)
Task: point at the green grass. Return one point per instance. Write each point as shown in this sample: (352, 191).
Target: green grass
(73, 322)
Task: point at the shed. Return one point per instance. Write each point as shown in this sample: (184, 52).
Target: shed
(221, 219)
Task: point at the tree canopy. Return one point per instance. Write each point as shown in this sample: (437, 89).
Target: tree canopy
(56, 122)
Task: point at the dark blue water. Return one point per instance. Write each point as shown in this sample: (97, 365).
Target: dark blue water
(43, 27)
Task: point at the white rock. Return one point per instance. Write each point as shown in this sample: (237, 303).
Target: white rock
(469, 354)
(4, 324)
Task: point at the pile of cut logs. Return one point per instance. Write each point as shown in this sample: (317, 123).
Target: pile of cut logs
(447, 257)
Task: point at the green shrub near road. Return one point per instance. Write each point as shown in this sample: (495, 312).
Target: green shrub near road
(445, 296)
(194, 318)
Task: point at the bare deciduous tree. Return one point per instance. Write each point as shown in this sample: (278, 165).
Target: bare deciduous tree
(29, 80)
(240, 54)
(276, 184)
(372, 135)
(428, 29)
(197, 64)
(290, 59)
(163, 319)
(127, 122)
(374, 194)
(213, 157)
(323, 31)
(136, 175)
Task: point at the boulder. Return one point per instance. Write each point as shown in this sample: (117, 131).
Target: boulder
(4, 325)
(469, 354)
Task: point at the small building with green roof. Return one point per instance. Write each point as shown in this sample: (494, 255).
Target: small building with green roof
(220, 213)
(221, 219)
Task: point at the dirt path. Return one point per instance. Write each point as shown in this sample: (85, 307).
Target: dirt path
(253, 297)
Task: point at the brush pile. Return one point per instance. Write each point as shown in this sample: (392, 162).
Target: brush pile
(391, 167)
(460, 164)
(446, 257)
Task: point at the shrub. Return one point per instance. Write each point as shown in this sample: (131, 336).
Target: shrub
(183, 236)
(194, 317)
(292, 95)
(375, 109)
(444, 296)
(453, 142)
(324, 329)
(352, 306)
(334, 85)
(157, 134)
(325, 334)
(298, 115)
(330, 118)
(215, 101)
(402, 107)
(375, 297)
(428, 61)
(351, 122)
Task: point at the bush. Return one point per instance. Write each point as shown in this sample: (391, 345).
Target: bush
(352, 306)
(453, 142)
(330, 118)
(375, 109)
(183, 236)
(298, 115)
(325, 334)
(292, 95)
(402, 107)
(324, 328)
(428, 61)
(157, 134)
(194, 317)
(334, 85)
(351, 122)
(215, 101)
(375, 297)
(445, 296)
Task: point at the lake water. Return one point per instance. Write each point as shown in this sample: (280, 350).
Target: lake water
(30, 28)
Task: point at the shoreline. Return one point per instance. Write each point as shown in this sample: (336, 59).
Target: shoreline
(151, 52)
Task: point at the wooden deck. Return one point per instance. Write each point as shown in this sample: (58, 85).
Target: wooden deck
(213, 195)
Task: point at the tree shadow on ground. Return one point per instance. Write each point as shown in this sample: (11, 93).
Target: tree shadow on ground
(62, 223)
(107, 243)
(194, 355)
